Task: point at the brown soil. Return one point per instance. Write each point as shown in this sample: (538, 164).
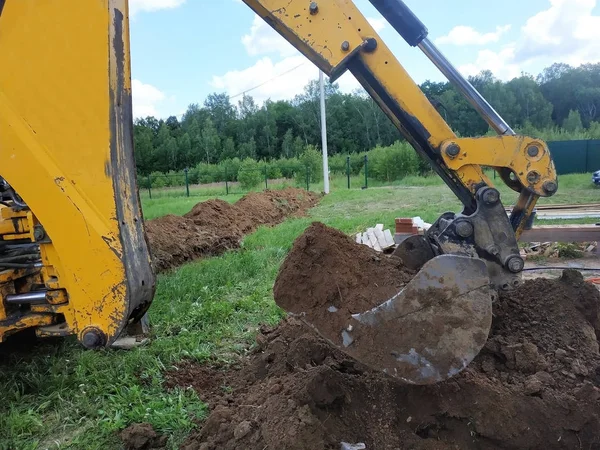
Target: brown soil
(141, 436)
(535, 384)
(215, 226)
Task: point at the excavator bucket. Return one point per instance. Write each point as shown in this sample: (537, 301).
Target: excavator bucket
(429, 331)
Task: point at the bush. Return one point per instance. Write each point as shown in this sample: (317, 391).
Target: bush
(288, 166)
(393, 163)
(230, 169)
(158, 180)
(250, 174)
(337, 164)
(273, 171)
(311, 166)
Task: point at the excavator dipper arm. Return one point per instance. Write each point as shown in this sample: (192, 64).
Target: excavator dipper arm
(434, 327)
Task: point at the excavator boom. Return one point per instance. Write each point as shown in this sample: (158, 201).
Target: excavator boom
(73, 253)
(434, 327)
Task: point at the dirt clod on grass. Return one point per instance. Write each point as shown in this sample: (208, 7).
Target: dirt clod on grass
(215, 226)
(141, 436)
(535, 384)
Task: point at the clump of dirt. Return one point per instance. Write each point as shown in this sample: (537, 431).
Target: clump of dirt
(325, 268)
(535, 385)
(216, 226)
(141, 436)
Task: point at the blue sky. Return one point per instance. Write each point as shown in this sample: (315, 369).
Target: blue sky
(182, 50)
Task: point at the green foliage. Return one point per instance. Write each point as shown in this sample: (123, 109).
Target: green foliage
(311, 166)
(231, 168)
(573, 123)
(393, 162)
(250, 174)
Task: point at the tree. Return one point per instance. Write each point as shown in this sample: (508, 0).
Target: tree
(573, 122)
(143, 149)
(249, 174)
(210, 141)
(185, 150)
(287, 145)
(228, 149)
(247, 149)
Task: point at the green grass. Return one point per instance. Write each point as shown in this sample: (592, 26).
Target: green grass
(56, 395)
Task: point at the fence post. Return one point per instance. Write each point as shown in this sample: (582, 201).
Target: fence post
(307, 178)
(226, 182)
(348, 170)
(266, 178)
(366, 171)
(187, 184)
(150, 186)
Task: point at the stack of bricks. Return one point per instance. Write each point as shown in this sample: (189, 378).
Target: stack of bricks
(404, 229)
(406, 226)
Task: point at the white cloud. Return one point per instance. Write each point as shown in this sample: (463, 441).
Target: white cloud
(136, 6)
(262, 39)
(378, 23)
(145, 99)
(278, 80)
(567, 31)
(463, 35)
(501, 64)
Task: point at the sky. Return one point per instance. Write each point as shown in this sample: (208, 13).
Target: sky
(183, 50)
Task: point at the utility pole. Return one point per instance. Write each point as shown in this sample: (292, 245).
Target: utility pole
(324, 136)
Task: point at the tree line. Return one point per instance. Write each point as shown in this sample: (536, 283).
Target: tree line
(562, 101)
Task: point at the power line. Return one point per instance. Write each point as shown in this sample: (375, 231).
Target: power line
(259, 85)
(268, 81)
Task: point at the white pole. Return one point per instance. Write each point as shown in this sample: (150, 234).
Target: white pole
(324, 136)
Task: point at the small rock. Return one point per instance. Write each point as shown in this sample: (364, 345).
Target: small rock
(568, 374)
(488, 366)
(275, 389)
(578, 368)
(587, 392)
(571, 348)
(242, 430)
(532, 385)
(560, 353)
(359, 446)
(545, 378)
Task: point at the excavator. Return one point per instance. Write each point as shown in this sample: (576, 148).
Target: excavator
(74, 258)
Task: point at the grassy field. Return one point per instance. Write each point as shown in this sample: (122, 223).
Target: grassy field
(55, 395)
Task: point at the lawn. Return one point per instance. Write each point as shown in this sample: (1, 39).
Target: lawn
(56, 395)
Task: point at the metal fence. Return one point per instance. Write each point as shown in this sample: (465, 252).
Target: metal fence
(179, 184)
(582, 156)
(575, 156)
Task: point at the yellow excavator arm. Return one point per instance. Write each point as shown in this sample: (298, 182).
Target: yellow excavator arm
(73, 253)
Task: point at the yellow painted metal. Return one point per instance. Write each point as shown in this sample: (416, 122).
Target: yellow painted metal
(510, 152)
(66, 148)
(320, 36)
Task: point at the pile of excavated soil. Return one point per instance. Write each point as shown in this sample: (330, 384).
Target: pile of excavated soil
(535, 384)
(215, 226)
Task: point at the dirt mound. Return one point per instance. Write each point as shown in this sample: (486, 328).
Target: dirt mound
(534, 386)
(214, 226)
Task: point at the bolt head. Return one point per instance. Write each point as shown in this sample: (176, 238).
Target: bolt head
(345, 46)
(515, 264)
(93, 339)
(453, 150)
(550, 187)
(313, 8)
(493, 250)
(491, 196)
(464, 228)
(533, 151)
(533, 177)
